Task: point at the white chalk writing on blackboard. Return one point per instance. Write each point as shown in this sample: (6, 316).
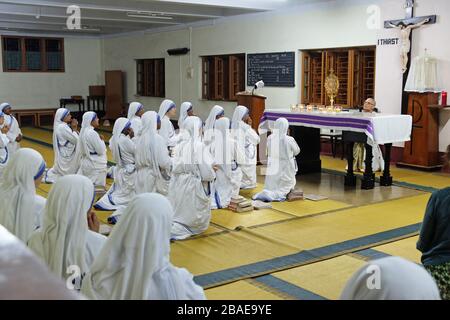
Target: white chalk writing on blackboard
(275, 69)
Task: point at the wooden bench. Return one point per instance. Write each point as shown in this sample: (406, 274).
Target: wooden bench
(35, 115)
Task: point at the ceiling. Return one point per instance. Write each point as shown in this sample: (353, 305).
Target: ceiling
(109, 17)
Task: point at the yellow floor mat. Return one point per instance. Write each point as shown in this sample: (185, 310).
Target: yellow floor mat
(241, 290)
(231, 220)
(405, 248)
(226, 250)
(326, 278)
(428, 180)
(307, 207)
(346, 224)
(258, 244)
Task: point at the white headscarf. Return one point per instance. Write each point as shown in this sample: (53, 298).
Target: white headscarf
(222, 147)
(18, 192)
(119, 126)
(279, 143)
(165, 106)
(238, 115)
(61, 241)
(86, 125)
(60, 114)
(391, 278)
(210, 121)
(135, 261)
(184, 109)
(147, 142)
(3, 106)
(134, 108)
(189, 150)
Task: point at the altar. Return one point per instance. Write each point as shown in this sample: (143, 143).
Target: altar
(368, 128)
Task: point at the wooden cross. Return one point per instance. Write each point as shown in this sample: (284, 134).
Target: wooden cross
(408, 21)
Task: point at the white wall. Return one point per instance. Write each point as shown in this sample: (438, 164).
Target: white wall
(434, 38)
(307, 27)
(83, 67)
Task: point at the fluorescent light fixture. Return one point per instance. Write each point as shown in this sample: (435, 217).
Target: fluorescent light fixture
(148, 15)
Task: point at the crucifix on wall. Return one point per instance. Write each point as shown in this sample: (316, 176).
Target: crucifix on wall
(406, 26)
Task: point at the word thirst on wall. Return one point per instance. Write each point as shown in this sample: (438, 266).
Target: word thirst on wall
(388, 42)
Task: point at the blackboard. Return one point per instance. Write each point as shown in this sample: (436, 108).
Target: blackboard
(276, 69)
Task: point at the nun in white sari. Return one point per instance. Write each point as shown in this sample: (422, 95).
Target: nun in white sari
(247, 140)
(167, 130)
(135, 263)
(4, 141)
(93, 151)
(391, 278)
(65, 141)
(281, 166)
(64, 241)
(186, 110)
(228, 174)
(135, 112)
(123, 151)
(216, 113)
(21, 207)
(14, 134)
(153, 162)
(189, 190)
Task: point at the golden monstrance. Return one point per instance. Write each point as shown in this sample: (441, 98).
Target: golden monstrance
(332, 86)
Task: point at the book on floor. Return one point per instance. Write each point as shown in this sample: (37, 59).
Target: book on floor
(260, 205)
(241, 210)
(294, 195)
(315, 197)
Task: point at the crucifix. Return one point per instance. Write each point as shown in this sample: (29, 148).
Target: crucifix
(406, 26)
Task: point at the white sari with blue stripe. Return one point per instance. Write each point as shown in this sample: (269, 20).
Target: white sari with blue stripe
(123, 189)
(4, 153)
(189, 190)
(93, 152)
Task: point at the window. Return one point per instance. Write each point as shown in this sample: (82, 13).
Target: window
(223, 76)
(151, 80)
(27, 54)
(354, 67)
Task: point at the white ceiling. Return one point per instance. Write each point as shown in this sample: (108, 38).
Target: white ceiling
(108, 17)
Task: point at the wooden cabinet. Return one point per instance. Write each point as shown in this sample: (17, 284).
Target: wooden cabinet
(423, 149)
(354, 67)
(114, 97)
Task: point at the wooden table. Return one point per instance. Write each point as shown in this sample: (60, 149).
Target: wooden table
(98, 103)
(80, 102)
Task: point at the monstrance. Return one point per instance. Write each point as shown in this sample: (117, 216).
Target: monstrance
(332, 86)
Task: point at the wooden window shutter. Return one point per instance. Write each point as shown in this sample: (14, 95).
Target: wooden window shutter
(306, 78)
(219, 85)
